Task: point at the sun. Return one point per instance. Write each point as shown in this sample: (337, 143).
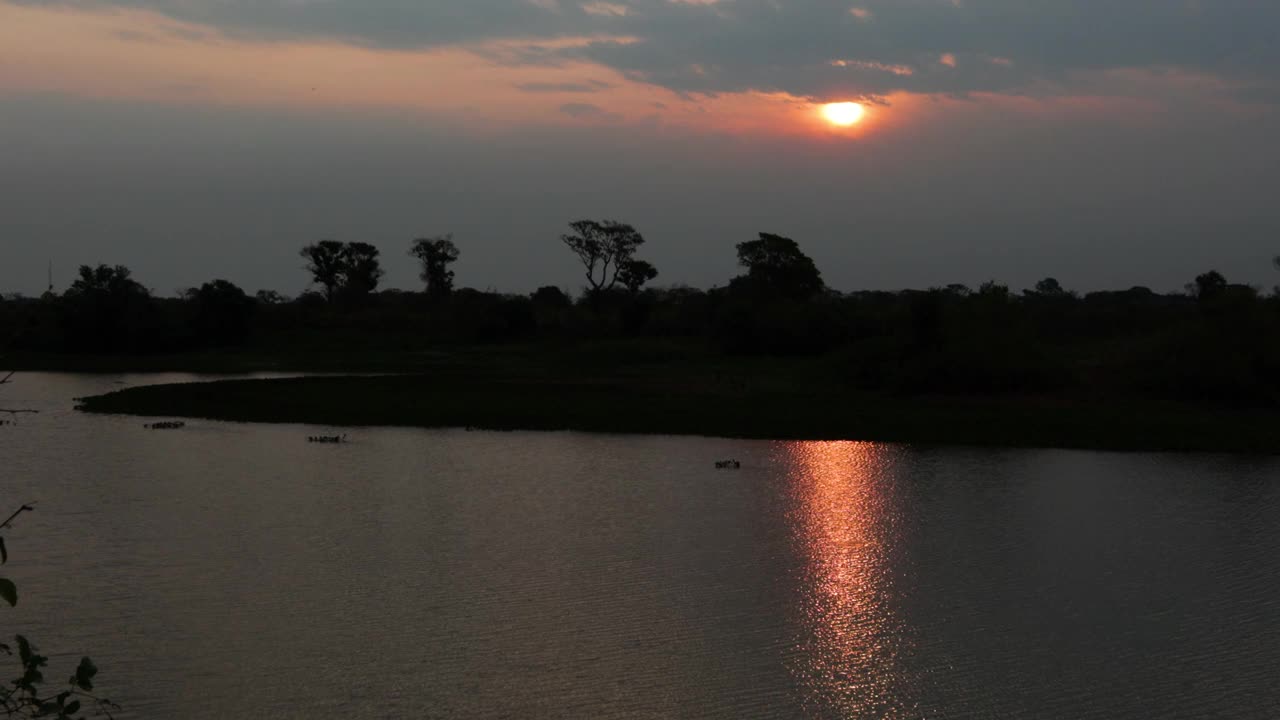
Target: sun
(843, 114)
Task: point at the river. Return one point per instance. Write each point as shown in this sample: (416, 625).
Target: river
(232, 571)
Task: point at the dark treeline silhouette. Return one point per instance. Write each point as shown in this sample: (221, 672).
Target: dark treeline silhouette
(1216, 343)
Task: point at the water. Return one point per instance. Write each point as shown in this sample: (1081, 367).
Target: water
(228, 570)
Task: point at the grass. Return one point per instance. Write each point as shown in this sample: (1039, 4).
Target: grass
(683, 390)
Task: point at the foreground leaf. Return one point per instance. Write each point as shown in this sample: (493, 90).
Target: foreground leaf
(84, 674)
(9, 591)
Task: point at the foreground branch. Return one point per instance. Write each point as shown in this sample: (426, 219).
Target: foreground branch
(5, 381)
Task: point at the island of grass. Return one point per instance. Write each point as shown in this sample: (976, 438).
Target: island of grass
(632, 392)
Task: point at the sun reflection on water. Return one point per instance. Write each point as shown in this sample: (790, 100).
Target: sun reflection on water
(847, 656)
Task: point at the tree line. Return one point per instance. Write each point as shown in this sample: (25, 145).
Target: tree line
(1215, 342)
(350, 271)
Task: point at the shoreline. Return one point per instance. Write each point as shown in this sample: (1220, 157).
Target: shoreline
(642, 406)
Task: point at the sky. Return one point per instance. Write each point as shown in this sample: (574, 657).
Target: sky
(1107, 143)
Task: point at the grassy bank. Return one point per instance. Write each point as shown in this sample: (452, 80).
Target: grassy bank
(230, 362)
(762, 400)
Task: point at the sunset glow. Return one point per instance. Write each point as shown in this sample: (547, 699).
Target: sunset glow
(843, 114)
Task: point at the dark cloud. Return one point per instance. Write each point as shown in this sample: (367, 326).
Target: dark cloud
(381, 23)
(587, 111)
(822, 49)
(817, 48)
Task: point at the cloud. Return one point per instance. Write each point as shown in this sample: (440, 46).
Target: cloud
(587, 111)
(564, 87)
(787, 46)
(873, 65)
(606, 9)
(703, 46)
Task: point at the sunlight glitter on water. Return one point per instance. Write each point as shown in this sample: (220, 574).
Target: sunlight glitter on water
(843, 522)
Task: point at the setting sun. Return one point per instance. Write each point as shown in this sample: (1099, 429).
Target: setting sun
(843, 114)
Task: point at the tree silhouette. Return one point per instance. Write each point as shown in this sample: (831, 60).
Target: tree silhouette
(1209, 286)
(435, 255)
(992, 290)
(107, 310)
(550, 296)
(220, 312)
(1050, 287)
(776, 268)
(106, 283)
(635, 273)
(343, 269)
(270, 297)
(603, 248)
(362, 270)
(325, 263)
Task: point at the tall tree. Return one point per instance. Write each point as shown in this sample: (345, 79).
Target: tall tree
(435, 255)
(603, 248)
(348, 269)
(777, 268)
(325, 263)
(361, 271)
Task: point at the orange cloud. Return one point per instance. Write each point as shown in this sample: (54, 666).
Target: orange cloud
(136, 55)
(901, 70)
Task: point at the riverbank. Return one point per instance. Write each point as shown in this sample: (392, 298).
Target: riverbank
(710, 402)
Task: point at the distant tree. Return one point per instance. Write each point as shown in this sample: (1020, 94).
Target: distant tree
(1209, 286)
(361, 271)
(106, 282)
(603, 248)
(270, 297)
(435, 255)
(220, 312)
(347, 269)
(551, 296)
(325, 263)
(1050, 287)
(777, 268)
(549, 304)
(106, 310)
(993, 290)
(635, 273)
